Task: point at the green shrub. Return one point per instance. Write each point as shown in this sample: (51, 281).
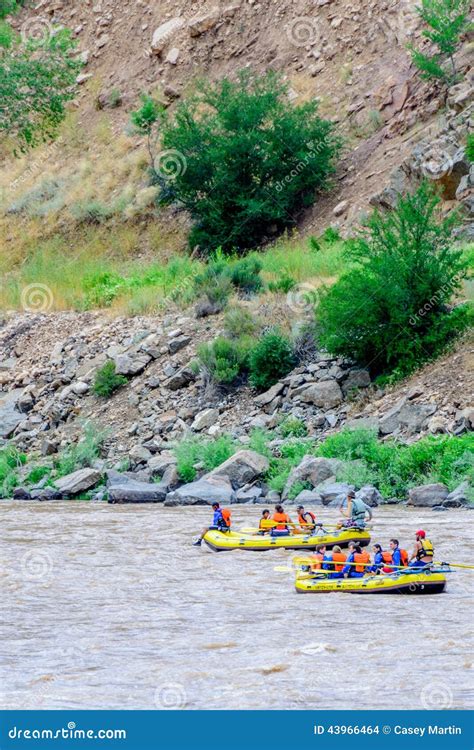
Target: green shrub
(37, 474)
(389, 312)
(209, 453)
(293, 427)
(10, 461)
(82, 454)
(91, 212)
(249, 160)
(271, 359)
(331, 235)
(314, 245)
(107, 381)
(298, 487)
(101, 288)
(470, 147)
(224, 360)
(446, 22)
(283, 285)
(259, 440)
(245, 275)
(239, 321)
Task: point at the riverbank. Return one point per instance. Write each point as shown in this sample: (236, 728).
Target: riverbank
(149, 622)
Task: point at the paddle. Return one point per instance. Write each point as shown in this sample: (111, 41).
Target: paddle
(255, 530)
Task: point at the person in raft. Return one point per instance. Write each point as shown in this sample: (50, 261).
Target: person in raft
(266, 523)
(356, 563)
(355, 512)
(220, 522)
(321, 559)
(338, 558)
(306, 519)
(378, 559)
(423, 552)
(282, 521)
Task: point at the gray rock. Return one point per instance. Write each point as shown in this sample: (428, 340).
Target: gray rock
(326, 394)
(139, 454)
(10, 417)
(370, 495)
(78, 481)
(403, 415)
(124, 489)
(308, 498)
(248, 495)
(313, 470)
(266, 398)
(165, 33)
(178, 343)
(181, 379)
(428, 495)
(203, 22)
(158, 464)
(128, 364)
(334, 492)
(205, 419)
(241, 468)
(21, 493)
(356, 379)
(46, 494)
(202, 492)
(458, 497)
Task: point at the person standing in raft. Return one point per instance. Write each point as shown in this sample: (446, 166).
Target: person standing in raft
(423, 552)
(359, 562)
(220, 522)
(282, 520)
(355, 512)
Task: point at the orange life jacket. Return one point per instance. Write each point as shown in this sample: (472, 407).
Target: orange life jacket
(318, 561)
(338, 559)
(282, 519)
(226, 514)
(404, 557)
(387, 557)
(303, 518)
(360, 558)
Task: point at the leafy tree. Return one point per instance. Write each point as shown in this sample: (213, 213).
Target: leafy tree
(446, 20)
(247, 160)
(389, 311)
(146, 121)
(36, 81)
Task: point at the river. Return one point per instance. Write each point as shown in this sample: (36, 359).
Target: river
(109, 607)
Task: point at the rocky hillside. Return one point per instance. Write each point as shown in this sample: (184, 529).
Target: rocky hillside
(351, 56)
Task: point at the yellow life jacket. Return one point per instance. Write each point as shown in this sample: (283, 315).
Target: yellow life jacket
(426, 549)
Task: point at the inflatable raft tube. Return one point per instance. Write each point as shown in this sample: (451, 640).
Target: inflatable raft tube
(220, 541)
(403, 583)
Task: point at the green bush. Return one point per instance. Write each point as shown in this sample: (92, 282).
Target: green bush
(248, 160)
(10, 461)
(470, 147)
(293, 427)
(446, 22)
(239, 321)
(208, 453)
(37, 474)
(107, 381)
(331, 235)
(389, 312)
(245, 275)
(224, 360)
(271, 359)
(82, 454)
(283, 285)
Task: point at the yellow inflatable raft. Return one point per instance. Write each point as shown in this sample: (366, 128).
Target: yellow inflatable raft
(393, 583)
(220, 541)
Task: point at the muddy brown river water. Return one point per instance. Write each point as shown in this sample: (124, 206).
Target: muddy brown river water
(107, 606)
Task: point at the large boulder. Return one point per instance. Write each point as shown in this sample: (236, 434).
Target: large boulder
(165, 33)
(356, 379)
(241, 468)
(79, 481)
(268, 396)
(408, 416)
(205, 419)
(160, 463)
(124, 489)
(204, 491)
(428, 495)
(312, 470)
(370, 495)
(334, 493)
(131, 363)
(326, 394)
(458, 497)
(10, 417)
(181, 379)
(308, 498)
(203, 22)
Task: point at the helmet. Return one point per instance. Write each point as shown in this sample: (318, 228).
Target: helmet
(421, 533)
(300, 507)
